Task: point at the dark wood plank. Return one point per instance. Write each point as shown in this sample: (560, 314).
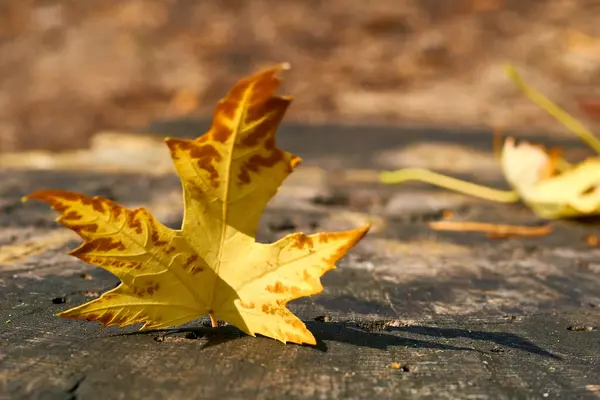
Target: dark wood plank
(465, 316)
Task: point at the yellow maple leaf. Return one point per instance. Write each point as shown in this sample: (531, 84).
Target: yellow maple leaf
(213, 265)
(550, 186)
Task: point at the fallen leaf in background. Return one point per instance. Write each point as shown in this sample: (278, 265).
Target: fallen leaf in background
(546, 182)
(213, 265)
(551, 189)
(493, 230)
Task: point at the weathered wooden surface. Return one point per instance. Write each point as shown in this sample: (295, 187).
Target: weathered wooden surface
(464, 315)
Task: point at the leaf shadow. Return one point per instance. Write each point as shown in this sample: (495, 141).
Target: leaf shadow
(499, 338)
(323, 331)
(352, 333)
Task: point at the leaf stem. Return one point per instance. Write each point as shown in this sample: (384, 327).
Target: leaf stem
(213, 320)
(558, 113)
(457, 185)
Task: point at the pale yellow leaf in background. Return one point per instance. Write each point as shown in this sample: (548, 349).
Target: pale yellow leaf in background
(549, 192)
(547, 183)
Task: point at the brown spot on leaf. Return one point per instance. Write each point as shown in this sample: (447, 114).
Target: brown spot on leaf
(202, 139)
(97, 204)
(225, 111)
(106, 318)
(108, 262)
(196, 270)
(297, 324)
(277, 288)
(205, 155)
(83, 230)
(256, 162)
(248, 306)
(89, 317)
(154, 235)
(190, 260)
(589, 190)
(170, 249)
(302, 241)
(272, 111)
(280, 288)
(324, 237)
(103, 244)
(72, 216)
(134, 221)
(151, 288)
(267, 309)
(244, 176)
(116, 211)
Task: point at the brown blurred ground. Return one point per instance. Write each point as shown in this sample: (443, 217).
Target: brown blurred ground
(70, 68)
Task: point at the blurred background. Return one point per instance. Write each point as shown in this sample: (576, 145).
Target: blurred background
(71, 68)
